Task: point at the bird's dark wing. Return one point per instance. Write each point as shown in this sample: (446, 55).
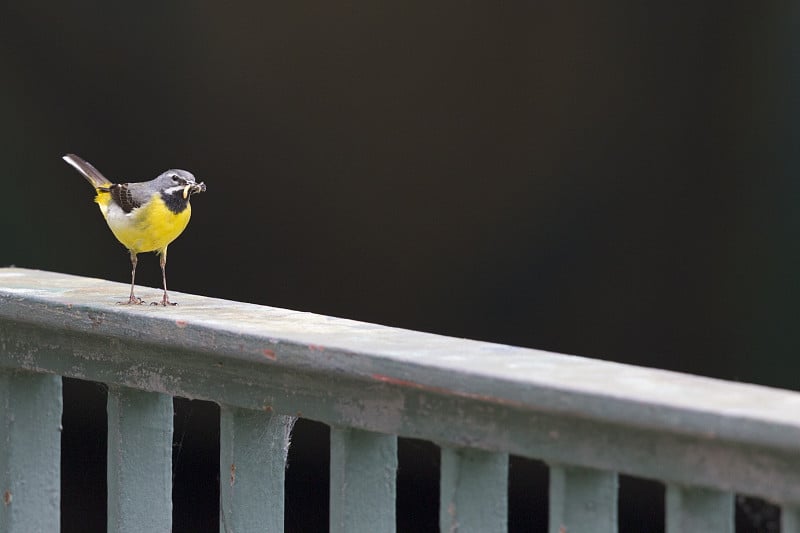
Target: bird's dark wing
(121, 194)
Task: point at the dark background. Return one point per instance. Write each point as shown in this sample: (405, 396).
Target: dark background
(610, 179)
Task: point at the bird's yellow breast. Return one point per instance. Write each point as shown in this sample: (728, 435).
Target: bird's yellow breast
(149, 228)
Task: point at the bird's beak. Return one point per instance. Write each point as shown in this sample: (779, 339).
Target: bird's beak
(193, 189)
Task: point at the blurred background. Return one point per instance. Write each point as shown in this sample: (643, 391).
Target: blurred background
(610, 179)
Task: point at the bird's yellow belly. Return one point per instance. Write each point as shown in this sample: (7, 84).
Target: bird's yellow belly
(148, 228)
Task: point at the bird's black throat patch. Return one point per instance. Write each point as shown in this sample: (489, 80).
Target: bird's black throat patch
(175, 201)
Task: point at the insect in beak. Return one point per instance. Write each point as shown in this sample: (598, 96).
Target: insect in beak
(193, 188)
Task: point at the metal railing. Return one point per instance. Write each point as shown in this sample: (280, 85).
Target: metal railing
(589, 420)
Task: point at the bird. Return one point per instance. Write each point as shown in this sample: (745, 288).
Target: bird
(145, 216)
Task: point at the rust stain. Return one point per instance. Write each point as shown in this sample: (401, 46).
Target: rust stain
(233, 474)
(181, 323)
(562, 529)
(397, 381)
(316, 348)
(267, 408)
(441, 390)
(269, 354)
(7, 497)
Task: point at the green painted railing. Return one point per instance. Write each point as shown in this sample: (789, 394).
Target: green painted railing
(589, 420)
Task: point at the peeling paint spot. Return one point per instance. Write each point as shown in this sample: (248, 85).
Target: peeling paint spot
(269, 354)
(454, 524)
(95, 319)
(233, 474)
(7, 497)
(181, 323)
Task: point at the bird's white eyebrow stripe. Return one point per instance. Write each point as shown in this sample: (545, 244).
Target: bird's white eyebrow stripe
(176, 188)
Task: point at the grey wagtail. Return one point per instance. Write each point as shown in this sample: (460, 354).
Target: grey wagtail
(144, 217)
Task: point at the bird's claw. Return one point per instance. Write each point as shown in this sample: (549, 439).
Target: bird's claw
(164, 303)
(133, 300)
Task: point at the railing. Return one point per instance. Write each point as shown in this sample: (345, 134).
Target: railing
(589, 420)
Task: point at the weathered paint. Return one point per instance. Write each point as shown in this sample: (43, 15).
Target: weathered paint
(363, 481)
(139, 461)
(253, 450)
(694, 509)
(30, 452)
(562, 409)
(582, 500)
(473, 491)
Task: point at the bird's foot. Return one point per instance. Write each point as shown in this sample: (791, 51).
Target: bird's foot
(164, 302)
(133, 300)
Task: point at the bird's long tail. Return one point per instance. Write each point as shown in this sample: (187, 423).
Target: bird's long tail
(93, 175)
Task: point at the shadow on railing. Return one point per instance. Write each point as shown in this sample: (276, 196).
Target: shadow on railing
(589, 420)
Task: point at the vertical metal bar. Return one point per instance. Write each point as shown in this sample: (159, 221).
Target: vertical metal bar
(30, 452)
(583, 500)
(473, 492)
(253, 450)
(363, 481)
(697, 509)
(139, 461)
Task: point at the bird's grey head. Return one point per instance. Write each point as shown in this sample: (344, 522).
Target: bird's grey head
(178, 182)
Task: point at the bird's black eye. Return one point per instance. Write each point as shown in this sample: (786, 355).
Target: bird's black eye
(176, 178)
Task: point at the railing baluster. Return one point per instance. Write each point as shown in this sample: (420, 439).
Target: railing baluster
(139, 460)
(583, 500)
(30, 452)
(253, 450)
(363, 481)
(698, 509)
(790, 519)
(474, 491)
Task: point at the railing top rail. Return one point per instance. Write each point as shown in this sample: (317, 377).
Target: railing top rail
(380, 378)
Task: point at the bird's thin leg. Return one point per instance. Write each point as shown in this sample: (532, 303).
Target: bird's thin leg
(165, 301)
(133, 299)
